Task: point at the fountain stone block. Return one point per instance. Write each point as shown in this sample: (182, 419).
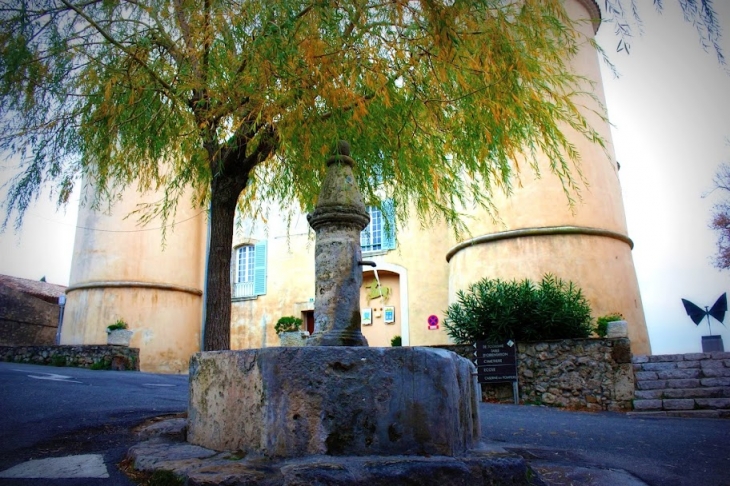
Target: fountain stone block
(335, 400)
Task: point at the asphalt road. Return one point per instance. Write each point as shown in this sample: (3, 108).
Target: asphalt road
(51, 412)
(54, 412)
(658, 451)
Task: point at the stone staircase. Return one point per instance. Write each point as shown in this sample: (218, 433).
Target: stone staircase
(696, 384)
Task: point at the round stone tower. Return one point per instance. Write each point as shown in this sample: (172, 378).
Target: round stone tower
(539, 233)
(120, 270)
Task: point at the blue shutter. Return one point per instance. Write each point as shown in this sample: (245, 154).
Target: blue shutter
(259, 269)
(388, 225)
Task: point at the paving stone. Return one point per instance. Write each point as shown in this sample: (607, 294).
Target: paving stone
(647, 404)
(683, 383)
(678, 374)
(713, 402)
(646, 375)
(678, 404)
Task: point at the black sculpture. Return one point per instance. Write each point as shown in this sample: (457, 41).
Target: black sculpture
(717, 311)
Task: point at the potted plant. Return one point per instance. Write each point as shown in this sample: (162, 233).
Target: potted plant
(289, 330)
(118, 334)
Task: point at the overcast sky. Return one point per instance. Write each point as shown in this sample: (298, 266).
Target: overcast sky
(670, 114)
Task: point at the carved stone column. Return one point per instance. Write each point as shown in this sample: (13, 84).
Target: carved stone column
(337, 220)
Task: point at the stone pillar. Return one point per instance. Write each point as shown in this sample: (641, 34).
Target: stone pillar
(337, 220)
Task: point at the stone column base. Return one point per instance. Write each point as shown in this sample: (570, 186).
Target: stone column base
(338, 401)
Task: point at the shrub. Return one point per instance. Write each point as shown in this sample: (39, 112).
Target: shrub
(494, 310)
(118, 324)
(287, 324)
(396, 341)
(602, 323)
(58, 360)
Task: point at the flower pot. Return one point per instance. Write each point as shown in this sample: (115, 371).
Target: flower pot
(119, 337)
(711, 344)
(293, 338)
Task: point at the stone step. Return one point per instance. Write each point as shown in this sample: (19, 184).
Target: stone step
(681, 413)
(682, 404)
(705, 392)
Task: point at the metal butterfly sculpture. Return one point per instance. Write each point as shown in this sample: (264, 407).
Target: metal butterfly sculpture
(717, 311)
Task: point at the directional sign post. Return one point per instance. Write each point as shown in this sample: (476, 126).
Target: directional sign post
(497, 363)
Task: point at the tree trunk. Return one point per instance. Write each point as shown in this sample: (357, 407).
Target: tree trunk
(224, 194)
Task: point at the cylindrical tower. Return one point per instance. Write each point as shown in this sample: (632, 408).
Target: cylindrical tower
(539, 233)
(123, 270)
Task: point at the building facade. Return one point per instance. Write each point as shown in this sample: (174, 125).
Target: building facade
(120, 270)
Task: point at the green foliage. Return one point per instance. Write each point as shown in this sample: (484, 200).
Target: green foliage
(396, 341)
(118, 324)
(58, 360)
(494, 310)
(163, 477)
(602, 323)
(101, 365)
(288, 324)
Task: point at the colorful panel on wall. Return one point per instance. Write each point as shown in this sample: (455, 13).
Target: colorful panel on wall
(389, 317)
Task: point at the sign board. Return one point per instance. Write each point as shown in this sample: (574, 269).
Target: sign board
(496, 363)
(433, 323)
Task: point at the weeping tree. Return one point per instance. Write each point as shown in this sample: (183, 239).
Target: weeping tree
(239, 101)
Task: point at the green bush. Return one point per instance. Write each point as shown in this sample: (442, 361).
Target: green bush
(287, 324)
(396, 341)
(58, 360)
(118, 324)
(602, 323)
(494, 310)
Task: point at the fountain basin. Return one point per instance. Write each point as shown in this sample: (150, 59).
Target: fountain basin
(334, 400)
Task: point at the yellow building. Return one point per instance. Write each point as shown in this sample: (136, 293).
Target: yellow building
(120, 271)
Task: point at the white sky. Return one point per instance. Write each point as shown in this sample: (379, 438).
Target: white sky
(670, 113)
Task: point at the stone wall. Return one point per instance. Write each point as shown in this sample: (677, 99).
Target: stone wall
(581, 374)
(118, 358)
(673, 383)
(26, 320)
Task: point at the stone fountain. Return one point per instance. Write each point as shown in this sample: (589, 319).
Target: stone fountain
(337, 399)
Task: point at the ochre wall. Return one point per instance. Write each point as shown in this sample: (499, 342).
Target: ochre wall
(121, 270)
(601, 265)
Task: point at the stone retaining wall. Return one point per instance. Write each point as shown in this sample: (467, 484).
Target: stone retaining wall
(581, 374)
(677, 382)
(118, 358)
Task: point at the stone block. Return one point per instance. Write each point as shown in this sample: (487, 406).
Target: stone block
(647, 404)
(339, 401)
(649, 394)
(712, 363)
(666, 358)
(713, 403)
(720, 355)
(678, 404)
(696, 356)
(693, 393)
(715, 372)
(683, 383)
(712, 382)
(678, 374)
(640, 359)
(663, 366)
(646, 375)
(651, 384)
(688, 364)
